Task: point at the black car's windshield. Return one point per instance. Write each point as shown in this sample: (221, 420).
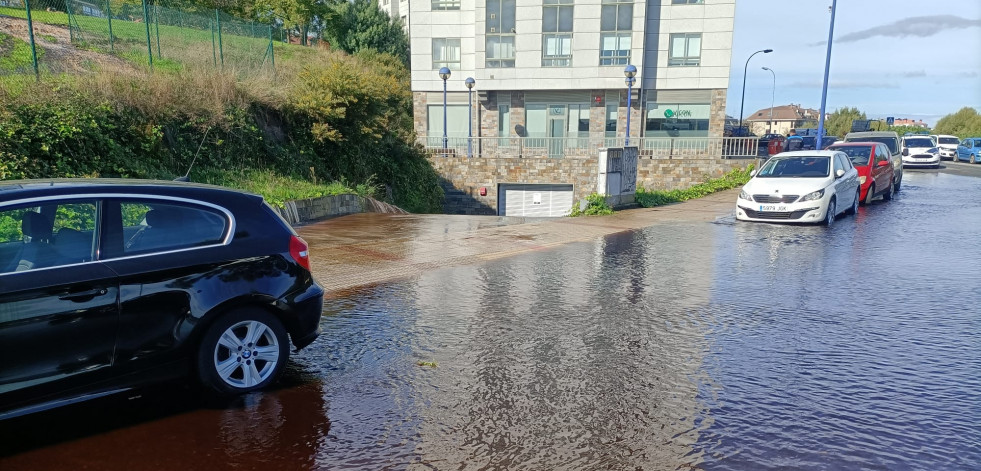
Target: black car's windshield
(948, 140)
(919, 142)
(859, 155)
(801, 166)
(890, 142)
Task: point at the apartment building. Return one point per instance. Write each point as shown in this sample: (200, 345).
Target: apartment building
(555, 68)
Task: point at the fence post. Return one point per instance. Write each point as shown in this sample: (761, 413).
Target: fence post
(221, 49)
(272, 54)
(112, 47)
(214, 50)
(30, 28)
(156, 23)
(149, 44)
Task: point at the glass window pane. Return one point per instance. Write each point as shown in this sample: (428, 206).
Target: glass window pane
(173, 227)
(565, 19)
(507, 16)
(535, 118)
(625, 17)
(550, 19)
(677, 46)
(493, 16)
(694, 46)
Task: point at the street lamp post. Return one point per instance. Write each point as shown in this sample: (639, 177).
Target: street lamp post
(630, 72)
(470, 82)
(742, 101)
(773, 94)
(444, 73)
(824, 87)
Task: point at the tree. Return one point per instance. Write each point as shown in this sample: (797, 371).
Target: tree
(839, 122)
(964, 123)
(359, 25)
(296, 15)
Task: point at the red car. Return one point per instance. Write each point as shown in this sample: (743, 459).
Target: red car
(874, 165)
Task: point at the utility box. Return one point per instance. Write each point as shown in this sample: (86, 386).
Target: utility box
(617, 178)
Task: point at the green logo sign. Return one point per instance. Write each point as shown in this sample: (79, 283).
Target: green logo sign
(668, 113)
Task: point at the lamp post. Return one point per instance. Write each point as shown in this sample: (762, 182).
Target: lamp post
(630, 72)
(444, 73)
(743, 100)
(470, 82)
(824, 87)
(773, 94)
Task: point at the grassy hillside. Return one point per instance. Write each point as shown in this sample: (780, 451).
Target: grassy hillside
(324, 123)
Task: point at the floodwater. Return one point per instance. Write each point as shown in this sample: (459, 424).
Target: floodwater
(716, 346)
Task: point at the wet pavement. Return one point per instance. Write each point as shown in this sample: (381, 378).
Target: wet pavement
(653, 339)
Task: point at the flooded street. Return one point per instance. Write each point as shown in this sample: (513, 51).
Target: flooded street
(686, 345)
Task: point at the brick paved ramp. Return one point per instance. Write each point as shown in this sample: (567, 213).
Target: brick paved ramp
(370, 248)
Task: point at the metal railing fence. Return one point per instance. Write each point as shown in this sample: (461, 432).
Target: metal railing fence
(35, 36)
(586, 147)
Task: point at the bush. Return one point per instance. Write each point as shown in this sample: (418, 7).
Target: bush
(733, 179)
(595, 206)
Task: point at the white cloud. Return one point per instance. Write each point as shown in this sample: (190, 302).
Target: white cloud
(918, 26)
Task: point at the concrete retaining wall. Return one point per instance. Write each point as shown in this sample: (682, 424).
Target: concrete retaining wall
(315, 209)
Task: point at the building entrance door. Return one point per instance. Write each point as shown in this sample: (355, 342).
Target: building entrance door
(556, 130)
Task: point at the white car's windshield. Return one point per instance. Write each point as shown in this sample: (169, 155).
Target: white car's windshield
(948, 140)
(791, 167)
(919, 142)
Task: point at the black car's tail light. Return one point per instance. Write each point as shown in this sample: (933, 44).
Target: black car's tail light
(300, 251)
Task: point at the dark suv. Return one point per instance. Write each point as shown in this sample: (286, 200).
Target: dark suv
(109, 284)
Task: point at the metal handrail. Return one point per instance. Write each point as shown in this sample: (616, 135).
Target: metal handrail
(589, 147)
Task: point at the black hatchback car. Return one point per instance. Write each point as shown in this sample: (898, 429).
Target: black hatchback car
(110, 284)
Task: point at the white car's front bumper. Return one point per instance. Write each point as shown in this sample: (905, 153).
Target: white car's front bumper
(946, 153)
(921, 160)
(805, 212)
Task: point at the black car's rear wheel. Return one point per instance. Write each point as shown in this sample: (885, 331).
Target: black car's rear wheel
(242, 351)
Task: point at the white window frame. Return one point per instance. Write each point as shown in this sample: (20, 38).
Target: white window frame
(690, 58)
(620, 55)
(445, 5)
(443, 47)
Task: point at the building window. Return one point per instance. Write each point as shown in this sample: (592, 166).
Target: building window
(456, 125)
(687, 2)
(612, 111)
(557, 33)
(446, 5)
(677, 119)
(446, 53)
(686, 49)
(616, 23)
(499, 31)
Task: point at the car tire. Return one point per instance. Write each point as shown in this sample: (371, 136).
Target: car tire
(869, 195)
(897, 184)
(829, 216)
(974, 159)
(242, 351)
(887, 196)
(854, 208)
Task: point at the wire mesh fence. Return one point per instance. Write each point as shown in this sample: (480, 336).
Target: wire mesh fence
(56, 36)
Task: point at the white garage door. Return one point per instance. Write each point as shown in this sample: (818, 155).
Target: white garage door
(534, 200)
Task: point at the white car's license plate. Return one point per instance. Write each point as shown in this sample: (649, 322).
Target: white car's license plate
(773, 207)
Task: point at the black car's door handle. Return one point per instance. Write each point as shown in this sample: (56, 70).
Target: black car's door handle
(83, 295)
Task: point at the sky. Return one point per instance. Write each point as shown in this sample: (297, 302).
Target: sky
(900, 58)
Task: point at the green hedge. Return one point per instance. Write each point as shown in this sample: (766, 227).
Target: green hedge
(733, 179)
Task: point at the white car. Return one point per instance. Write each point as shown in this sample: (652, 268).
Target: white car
(947, 145)
(803, 186)
(919, 151)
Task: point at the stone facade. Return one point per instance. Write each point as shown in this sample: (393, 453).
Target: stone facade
(717, 116)
(463, 178)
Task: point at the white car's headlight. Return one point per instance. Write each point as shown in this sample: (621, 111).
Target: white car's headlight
(814, 195)
(861, 180)
(744, 195)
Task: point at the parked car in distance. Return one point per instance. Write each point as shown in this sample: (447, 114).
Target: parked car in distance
(775, 144)
(874, 164)
(891, 140)
(810, 142)
(970, 150)
(802, 186)
(947, 145)
(919, 151)
(106, 285)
